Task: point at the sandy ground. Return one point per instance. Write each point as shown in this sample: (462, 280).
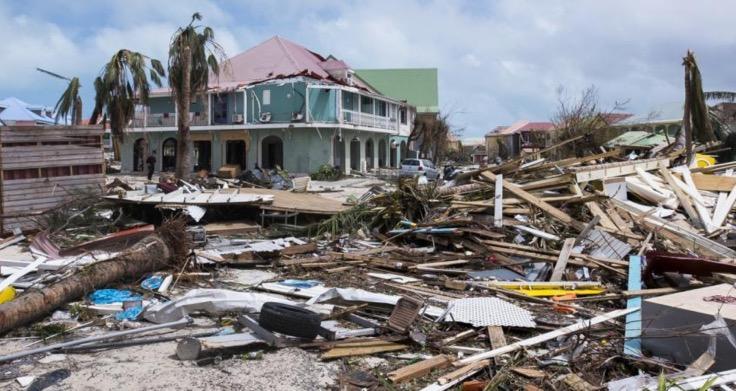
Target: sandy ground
(155, 367)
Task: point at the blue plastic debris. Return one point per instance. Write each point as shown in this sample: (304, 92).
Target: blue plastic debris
(131, 313)
(152, 283)
(109, 296)
(301, 284)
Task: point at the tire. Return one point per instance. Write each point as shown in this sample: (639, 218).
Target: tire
(289, 320)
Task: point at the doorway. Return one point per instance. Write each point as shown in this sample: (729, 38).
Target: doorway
(139, 154)
(168, 155)
(202, 155)
(235, 153)
(272, 152)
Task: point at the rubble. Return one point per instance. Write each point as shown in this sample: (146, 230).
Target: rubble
(518, 275)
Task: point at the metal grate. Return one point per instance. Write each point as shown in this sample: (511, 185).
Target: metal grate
(489, 311)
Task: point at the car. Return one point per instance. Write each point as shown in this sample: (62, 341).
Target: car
(417, 167)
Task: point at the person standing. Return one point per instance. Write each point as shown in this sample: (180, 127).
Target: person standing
(151, 163)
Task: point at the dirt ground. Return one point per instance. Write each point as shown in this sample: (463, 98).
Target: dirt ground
(155, 367)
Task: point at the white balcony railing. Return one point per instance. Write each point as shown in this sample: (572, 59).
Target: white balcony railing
(369, 120)
(148, 120)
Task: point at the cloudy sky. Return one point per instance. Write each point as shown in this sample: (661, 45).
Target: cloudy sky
(499, 61)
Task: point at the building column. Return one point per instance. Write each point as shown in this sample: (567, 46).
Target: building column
(346, 141)
(375, 153)
(361, 155)
(398, 155)
(389, 162)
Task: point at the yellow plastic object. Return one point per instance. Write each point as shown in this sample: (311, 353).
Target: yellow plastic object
(547, 289)
(558, 292)
(703, 160)
(7, 294)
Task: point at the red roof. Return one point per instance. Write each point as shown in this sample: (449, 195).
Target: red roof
(524, 126)
(278, 58)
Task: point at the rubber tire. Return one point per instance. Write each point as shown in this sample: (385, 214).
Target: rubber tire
(289, 320)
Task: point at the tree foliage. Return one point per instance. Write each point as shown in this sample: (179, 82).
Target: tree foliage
(582, 116)
(70, 103)
(123, 83)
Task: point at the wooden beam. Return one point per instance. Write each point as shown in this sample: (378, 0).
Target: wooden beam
(575, 327)
(609, 170)
(498, 203)
(544, 206)
(561, 264)
(714, 182)
(497, 339)
(419, 369)
(681, 196)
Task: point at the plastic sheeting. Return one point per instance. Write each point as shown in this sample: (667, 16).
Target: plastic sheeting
(211, 301)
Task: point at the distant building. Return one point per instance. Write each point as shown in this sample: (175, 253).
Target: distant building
(507, 142)
(14, 111)
(278, 104)
(415, 86)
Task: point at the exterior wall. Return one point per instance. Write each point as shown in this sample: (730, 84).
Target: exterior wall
(285, 99)
(511, 141)
(322, 105)
(304, 149)
(43, 167)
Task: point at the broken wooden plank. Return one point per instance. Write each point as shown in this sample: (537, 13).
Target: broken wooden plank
(419, 369)
(463, 371)
(362, 348)
(498, 203)
(681, 196)
(544, 206)
(723, 208)
(459, 337)
(713, 182)
(300, 249)
(497, 340)
(609, 170)
(561, 264)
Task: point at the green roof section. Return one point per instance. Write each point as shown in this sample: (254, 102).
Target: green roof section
(418, 86)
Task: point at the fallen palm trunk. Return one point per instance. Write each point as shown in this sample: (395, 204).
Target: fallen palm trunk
(150, 254)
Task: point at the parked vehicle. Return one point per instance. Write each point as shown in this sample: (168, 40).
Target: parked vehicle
(417, 167)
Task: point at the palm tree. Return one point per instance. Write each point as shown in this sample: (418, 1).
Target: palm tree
(696, 121)
(193, 54)
(123, 83)
(70, 103)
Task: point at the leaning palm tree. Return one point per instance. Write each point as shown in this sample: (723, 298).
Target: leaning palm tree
(70, 103)
(122, 84)
(193, 54)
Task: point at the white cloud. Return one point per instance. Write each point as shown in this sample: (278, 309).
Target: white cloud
(498, 60)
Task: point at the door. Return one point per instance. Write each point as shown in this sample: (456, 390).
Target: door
(235, 153)
(168, 155)
(202, 155)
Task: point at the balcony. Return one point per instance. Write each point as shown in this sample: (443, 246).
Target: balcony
(143, 120)
(358, 118)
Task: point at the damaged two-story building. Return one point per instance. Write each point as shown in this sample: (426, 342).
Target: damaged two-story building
(277, 104)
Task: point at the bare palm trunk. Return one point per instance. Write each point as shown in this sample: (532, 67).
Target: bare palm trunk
(184, 166)
(148, 255)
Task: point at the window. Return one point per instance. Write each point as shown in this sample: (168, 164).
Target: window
(366, 104)
(402, 115)
(266, 97)
(381, 108)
